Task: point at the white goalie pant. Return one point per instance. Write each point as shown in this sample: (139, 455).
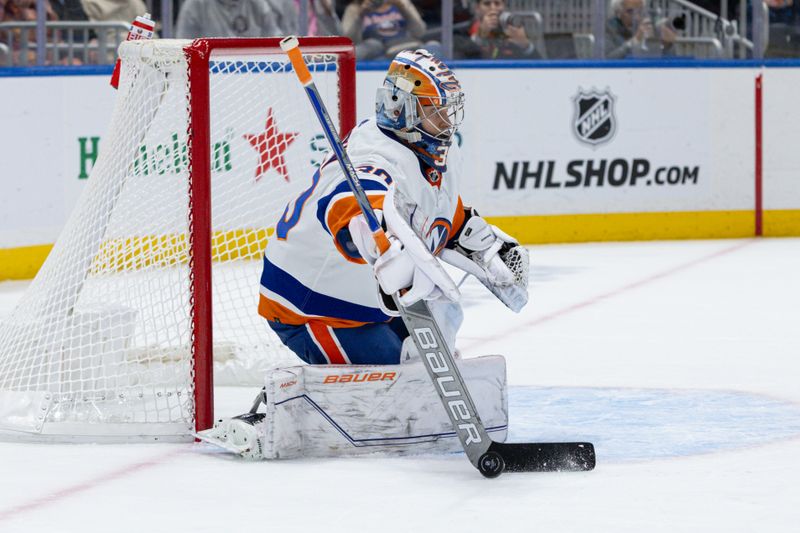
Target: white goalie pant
(334, 410)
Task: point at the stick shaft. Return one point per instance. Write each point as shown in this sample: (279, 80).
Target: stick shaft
(304, 75)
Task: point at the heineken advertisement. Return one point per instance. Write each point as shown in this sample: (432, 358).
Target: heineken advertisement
(173, 158)
(88, 147)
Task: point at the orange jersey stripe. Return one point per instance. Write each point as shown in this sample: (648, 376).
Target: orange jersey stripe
(326, 342)
(343, 209)
(275, 312)
(340, 213)
(458, 218)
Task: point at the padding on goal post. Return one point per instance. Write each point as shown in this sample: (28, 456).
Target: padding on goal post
(150, 293)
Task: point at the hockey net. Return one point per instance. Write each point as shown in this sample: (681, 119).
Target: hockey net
(157, 271)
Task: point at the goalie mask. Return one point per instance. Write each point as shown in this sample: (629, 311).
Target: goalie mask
(421, 103)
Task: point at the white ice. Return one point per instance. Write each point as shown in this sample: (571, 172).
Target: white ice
(679, 360)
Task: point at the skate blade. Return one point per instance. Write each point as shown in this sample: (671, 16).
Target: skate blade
(224, 444)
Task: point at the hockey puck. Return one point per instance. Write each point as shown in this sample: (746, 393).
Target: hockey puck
(491, 464)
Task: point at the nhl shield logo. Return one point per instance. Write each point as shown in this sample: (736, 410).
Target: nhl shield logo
(594, 120)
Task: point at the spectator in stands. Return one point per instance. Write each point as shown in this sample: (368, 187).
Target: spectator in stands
(234, 18)
(500, 34)
(69, 10)
(322, 18)
(382, 28)
(114, 10)
(285, 16)
(629, 31)
(782, 11)
(431, 11)
(22, 11)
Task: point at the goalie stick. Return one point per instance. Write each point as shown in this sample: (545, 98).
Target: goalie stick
(489, 457)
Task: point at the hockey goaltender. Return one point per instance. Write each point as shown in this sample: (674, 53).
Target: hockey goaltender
(324, 287)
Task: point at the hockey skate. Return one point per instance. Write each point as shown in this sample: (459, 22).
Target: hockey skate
(239, 434)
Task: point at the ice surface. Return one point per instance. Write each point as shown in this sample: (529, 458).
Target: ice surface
(679, 360)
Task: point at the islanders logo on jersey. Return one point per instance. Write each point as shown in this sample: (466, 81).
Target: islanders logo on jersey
(438, 234)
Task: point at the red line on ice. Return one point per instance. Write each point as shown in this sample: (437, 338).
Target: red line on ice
(84, 486)
(604, 296)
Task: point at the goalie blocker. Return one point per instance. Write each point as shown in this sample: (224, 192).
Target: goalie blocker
(340, 410)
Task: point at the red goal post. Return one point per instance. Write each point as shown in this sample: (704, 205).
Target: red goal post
(198, 55)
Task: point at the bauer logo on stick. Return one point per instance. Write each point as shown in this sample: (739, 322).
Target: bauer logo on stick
(594, 121)
(449, 390)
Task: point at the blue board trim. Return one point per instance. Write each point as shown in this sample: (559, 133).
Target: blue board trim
(666, 63)
(83, 70)
(367, 66)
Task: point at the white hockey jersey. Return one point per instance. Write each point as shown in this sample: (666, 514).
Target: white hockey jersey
(312, 270)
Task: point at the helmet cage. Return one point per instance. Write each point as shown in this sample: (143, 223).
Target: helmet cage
(440, 117)
(431, 116)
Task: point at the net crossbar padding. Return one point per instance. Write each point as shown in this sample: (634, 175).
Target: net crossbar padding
(151, 292)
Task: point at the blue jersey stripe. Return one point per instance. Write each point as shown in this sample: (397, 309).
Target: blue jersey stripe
(309, 302)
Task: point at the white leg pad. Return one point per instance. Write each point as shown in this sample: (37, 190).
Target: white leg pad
(323, 411)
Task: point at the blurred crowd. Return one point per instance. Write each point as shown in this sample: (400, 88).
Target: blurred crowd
(482, 29)
(379, 28)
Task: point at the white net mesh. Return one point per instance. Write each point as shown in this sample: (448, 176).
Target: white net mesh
(100, 344)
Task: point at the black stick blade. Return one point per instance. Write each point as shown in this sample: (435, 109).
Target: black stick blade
(545, 456)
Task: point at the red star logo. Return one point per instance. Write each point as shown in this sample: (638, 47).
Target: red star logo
(271, 145)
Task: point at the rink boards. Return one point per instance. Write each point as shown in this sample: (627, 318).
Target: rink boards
(554, 152)
(601, 153)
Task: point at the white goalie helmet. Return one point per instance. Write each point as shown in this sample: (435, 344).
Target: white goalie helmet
(422, 103)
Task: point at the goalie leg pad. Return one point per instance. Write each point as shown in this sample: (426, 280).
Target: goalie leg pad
(321, 411)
